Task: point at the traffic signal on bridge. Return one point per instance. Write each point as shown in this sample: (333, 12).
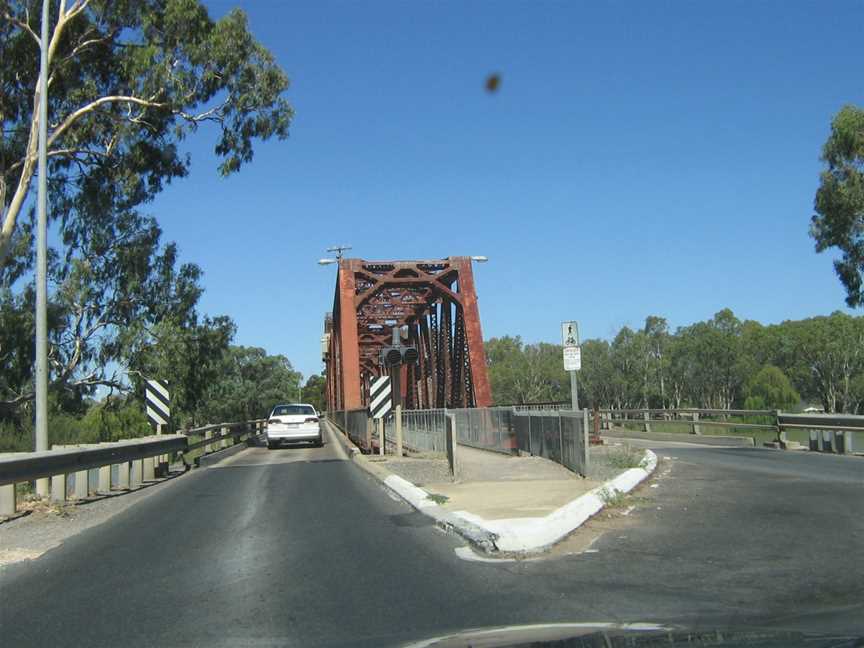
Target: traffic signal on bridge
(393, 356)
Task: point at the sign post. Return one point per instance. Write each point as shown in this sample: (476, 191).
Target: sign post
(380, 404)
(572, 358)
(158, 402)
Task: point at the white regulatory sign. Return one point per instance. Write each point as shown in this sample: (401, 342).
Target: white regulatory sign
(572, 358)
(569, 334)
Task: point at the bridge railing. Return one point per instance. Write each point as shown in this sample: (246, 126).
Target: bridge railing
(355, 423)
(558, 435)
(81, 471)
(822, 432)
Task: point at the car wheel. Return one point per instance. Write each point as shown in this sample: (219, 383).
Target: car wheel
(320, 442)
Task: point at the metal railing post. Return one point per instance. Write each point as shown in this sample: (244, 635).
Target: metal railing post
(694, 427)
(399, 430)
(585, 449)
(224, 442)
(781, 434)
(561, 438)
(208, 447)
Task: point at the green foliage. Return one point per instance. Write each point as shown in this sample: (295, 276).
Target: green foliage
(247, 386)
(839, 204)
(525, 373)
(720, 363)
(314, 392)
(130, 80)
(769, 388)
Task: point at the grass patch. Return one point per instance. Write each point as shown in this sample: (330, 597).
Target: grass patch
(613, 498)
(438, 499)
(626, 457)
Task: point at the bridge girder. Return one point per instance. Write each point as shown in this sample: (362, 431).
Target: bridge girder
(437, 302)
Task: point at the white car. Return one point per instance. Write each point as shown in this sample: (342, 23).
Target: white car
(293, 422)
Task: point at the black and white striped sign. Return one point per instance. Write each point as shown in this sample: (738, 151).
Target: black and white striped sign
(380, 397)
(158, 402)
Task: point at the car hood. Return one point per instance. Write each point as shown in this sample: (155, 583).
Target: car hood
(630, 635)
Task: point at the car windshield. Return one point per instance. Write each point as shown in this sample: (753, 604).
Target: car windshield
(293, 410)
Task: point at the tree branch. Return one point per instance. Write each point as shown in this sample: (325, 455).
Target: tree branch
(93, 105)
(23, 26)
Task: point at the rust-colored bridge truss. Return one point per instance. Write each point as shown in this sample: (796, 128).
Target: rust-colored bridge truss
(437, 302)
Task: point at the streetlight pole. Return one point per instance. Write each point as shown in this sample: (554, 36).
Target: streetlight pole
(42, 256)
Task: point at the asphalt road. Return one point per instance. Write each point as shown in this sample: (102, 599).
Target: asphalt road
(299, 547)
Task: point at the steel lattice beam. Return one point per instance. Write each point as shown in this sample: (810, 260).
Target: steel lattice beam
(437, 302)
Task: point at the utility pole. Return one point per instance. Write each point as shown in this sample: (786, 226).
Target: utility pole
(42, 485)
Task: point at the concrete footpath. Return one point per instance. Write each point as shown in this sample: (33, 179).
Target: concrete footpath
(507, 504)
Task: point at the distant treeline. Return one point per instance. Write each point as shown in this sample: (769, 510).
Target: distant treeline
(720, 363)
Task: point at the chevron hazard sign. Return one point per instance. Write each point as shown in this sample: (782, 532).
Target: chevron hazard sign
(380, 397)
(158, 402)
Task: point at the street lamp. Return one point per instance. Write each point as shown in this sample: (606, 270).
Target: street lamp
(324, 262)
(41, 377)
(480, 259)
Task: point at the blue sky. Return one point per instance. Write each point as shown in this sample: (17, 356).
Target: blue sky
(640, 158)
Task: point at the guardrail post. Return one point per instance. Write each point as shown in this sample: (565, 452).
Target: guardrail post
(381, 436)
(848, 435)
(208, 434)
(694, 426)
(814, 440)
(224, 442)
(135, 473)
(82, 483)
(58, 489)
(646, 416)
(148, 472)
(7, 500)
(104, 479)
(57, 483)
(781, 433)
(123, 475)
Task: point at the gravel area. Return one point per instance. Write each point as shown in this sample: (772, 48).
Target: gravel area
(420, 470)
(47, 525)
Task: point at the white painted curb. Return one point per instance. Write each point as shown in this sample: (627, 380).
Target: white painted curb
(523, 534)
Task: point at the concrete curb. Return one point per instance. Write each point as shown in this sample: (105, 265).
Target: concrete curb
(731, 441)
(207, 460)
(518, 535)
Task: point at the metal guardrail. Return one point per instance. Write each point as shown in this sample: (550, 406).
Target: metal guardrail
(837, 430)
(27, 466)
(121, 465)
